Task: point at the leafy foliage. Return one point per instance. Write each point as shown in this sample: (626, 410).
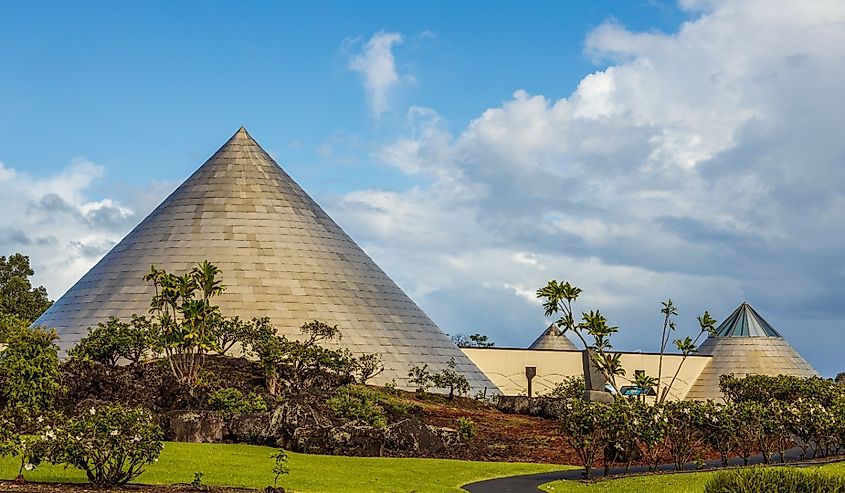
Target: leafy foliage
(231, 401)
(29, 449)
(230, 331)
(571, 387)
(184, 315)
(9, 325)
(420, 377)
(110, 443)
(449, 378)
(280, 465)
(356, 403)
(584, 427)
(17, 296)
(29, 368)
(114, 340)
(466, 429)
(472, 340)
(368, 366)
(300, 363)
(557, 299)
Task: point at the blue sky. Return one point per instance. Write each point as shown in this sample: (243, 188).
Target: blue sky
(147, 89)
(642, 150)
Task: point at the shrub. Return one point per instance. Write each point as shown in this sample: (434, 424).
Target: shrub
(368, 366)
(9, 325)
(571, 387)
(29, 449)
(355, 403)
(110, 443)
(301, 364)
(684, 432)
(231, 401)
(466, 429)
(420, 377)
(768, 480)
(449, 378)
(29, 367)
(230, 331)
(114, 340)
(280, 465)
(583, 425)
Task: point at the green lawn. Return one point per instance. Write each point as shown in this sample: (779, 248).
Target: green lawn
(251, 466)
(657, 483)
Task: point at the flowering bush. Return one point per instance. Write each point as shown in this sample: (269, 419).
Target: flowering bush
(30, 450)
(584, 426)
(110, 443)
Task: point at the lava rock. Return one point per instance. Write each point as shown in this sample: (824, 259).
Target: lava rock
(193, 426)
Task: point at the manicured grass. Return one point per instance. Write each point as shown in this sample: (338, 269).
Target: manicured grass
(656, 483)
(251, 467)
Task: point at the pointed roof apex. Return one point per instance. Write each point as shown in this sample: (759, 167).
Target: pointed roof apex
(242, 134)
(552, 338)
(746, 322)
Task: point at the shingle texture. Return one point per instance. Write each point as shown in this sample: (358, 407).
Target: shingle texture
(553, 338)
(281, 256)
(745, 344)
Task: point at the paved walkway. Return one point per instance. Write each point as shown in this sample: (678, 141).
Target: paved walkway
(531, 483)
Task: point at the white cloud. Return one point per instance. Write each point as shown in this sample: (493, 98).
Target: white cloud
(375, 62)
(705, 165)
(61, 225)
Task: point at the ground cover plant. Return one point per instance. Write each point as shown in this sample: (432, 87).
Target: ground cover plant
(251, 466)
(696, 482)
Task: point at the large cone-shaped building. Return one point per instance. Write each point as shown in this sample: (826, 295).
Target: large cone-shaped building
(745, 344)
(281, 257)
(553, 338)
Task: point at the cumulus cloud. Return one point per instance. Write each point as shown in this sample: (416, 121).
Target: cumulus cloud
(59, 222)
(704, 165)
(376, 64)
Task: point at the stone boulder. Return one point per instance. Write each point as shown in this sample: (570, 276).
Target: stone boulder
(193, 426)
(545, 407)
(412, 436)
(291, 417)
(351, 439)
(251, 428)
(448, 435)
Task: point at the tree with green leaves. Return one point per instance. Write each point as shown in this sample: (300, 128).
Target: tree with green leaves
(687, 346)
(113, 340)
(29, 369)
(450, 378)
(669, 311)
(557, 299)
(472, 340)
(17, 296)
(183, 312)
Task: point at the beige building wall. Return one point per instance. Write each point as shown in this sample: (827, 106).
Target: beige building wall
(506, 368)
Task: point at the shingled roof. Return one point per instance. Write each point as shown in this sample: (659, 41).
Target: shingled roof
(281, 256)
(746, 344)
(553, 338)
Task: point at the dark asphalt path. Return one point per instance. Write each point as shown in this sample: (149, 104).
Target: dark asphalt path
(531, 483)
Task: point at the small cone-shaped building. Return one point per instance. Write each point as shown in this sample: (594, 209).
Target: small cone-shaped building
(745, 344)
(553, 338)
(281, 257)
